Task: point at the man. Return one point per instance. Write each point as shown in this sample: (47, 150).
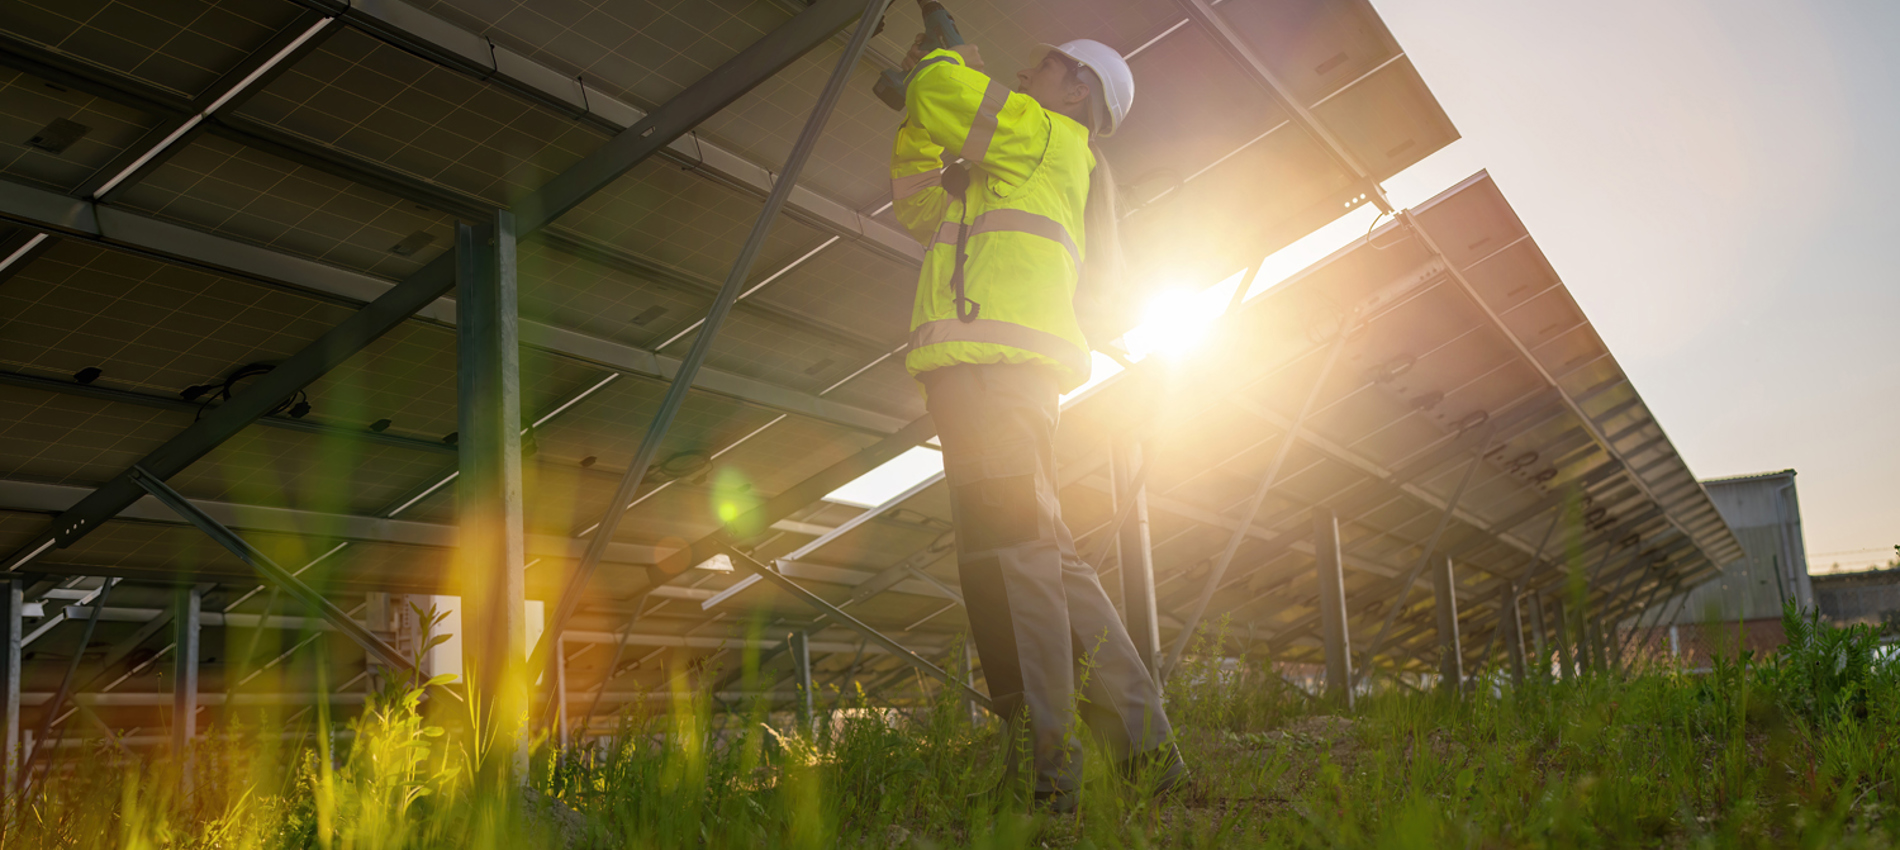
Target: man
(995, 339)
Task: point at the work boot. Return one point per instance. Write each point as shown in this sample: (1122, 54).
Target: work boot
(1009, 792)
(1160, 770)
(1014, 786)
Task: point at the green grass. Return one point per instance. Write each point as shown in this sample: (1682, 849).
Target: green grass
(1794, 751)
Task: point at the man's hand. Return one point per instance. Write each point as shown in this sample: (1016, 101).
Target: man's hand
(916, 53)
(971, 56)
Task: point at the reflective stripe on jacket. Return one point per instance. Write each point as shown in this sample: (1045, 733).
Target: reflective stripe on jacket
(1022, 219)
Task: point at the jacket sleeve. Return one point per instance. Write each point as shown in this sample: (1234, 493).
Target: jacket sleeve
(917, 195)
(956, 111)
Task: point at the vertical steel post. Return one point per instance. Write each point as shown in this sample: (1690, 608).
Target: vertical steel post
(185, 684)
(11, 608)
(1451, 657)
(1593, 628)
(1135, 553)
(801, 671)
(969, 681)
(1539, 645)
(1513, 626)
(491, 550)
(560, 690)
(1566, 666)
(1613, 649)
(1332, 606)
(1579, 622)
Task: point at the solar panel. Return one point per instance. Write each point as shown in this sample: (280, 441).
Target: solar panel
(345, 166)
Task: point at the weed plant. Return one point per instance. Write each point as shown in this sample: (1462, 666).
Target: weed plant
(1793, 750)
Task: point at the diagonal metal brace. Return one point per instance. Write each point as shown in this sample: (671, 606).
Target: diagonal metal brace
(903, 653)
(269, 570)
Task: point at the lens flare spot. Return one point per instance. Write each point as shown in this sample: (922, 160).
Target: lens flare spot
(733, 498)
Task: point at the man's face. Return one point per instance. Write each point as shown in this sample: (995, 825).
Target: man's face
(1049, 83)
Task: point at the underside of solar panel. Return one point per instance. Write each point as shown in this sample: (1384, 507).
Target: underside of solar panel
(229, 347)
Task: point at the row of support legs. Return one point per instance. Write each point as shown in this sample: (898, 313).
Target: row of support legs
(1596, 648)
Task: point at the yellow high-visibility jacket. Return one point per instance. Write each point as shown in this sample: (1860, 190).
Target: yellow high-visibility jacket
(1029, 181)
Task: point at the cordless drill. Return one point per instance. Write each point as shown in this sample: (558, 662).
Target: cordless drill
(940, 32)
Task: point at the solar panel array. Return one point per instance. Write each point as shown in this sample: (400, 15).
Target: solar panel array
(193, 191)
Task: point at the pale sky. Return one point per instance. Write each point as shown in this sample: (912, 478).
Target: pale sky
(1714, 182)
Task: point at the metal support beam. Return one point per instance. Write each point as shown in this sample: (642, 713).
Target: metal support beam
(172, 402)
(969, 681)
(1639, 629)
(1530, 358)
(1477, 667)
(673, 119)
(418, 32)
(1259, 496)
(1230, 42)
(21, 249)
(1134, 549)
(226, 420)
(1559, 618)
(53, 498)
(270, 571)
(703, 99)
(304, 34)
(492, 555)
(557, 201)
(1512, 617)
(12, 605)
(1540, 645)
(800, 641)
(826, 539)
(560, 691)
(1579, 617)
(116, 228)
(47, 714)
(1431, 547)
(1593, 642)
(903, 653)
(190, 603)
(1331, 574)
(1451, 655)
(1415, 468)
(1613, 649)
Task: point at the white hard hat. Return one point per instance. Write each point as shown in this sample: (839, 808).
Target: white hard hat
(1118, 82)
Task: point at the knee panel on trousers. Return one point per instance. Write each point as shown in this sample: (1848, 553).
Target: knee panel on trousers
(996, 512)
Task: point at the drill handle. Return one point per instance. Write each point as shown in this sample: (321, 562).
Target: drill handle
(940, 33)
(940, 29)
